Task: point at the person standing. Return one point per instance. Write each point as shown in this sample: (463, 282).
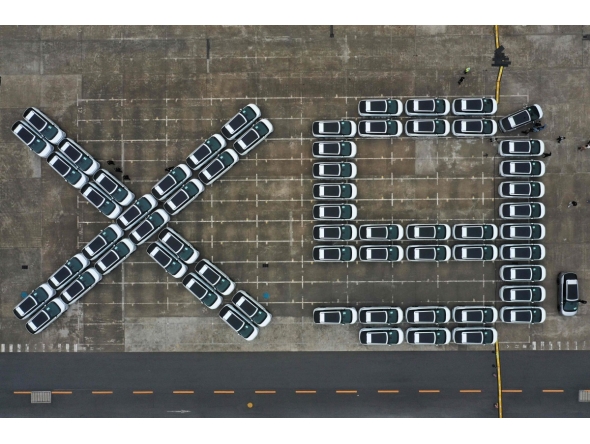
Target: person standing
(546, 154)
(560, 138)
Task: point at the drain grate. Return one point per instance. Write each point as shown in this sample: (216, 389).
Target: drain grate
(40, 397)
(584, 396)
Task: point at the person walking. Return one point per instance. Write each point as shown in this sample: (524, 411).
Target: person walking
(586, 147)
(573, 203)
(560, 138)
(467, 70)
(546, 154)
(461, 80)
(525, 132)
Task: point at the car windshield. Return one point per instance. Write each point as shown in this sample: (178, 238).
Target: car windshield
(36, 121)
(179, 198)
(95, 198)
(472, 104)
(215, 168)
(60, 166)
(332, 211)
(250, 137)
(28, 304)
(331, 127)
(473, 232)
(330, 169)
(425, 105)
(107, 183)
(62, 274)
(331, 253)
(377, 127)
(330, 148)
(331, 233)
(39, 320)
(109, 259)
(174, 244)
(237, 122)
(143, 204)
(174, 267)
(162, 258)
(211, 276)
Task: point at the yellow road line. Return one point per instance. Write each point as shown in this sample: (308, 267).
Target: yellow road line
(387, 391)
(101, 392)
(511, 391)
(346, 392)
(223, 392)
(469, 391)
(305, 392)
(499, 373)
(265, 392)
(143, 392)
(59, 392)
(428, 391)
(22, 393)
(183, 392)
(552, 391)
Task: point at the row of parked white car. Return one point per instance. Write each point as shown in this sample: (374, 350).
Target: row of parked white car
(172, 252)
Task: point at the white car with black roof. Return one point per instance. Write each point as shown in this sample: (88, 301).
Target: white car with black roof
(336, 232)
(115, 256)
(251, 308)
(475, 232)
(428, 315)
(475, 252)
(522, 190)
(381, 232)
(333, 128)
(238, 322)
(380, 107)
(523, 273)
(34, 301)
(81, 285)
(522, 168)
(568, 293)
(79, 157)
(522, 252)
(166, 260)
(522, 231)
(335, 315)
(99, 199)
(208, 297)
(171, 182)
(178, 245)
(474, 106)
(253, 137)
(184, 196)
(27, 135)
(334, 191)
(136, 212)
(475, 314)
(149, 226)
(381, 315)
(427, 128)
(475, 335)
(59, 163)
(428, 336)
(428, 253)
(381, 253)
(103, 241)
(428, 231)
(528, 210)
(46, 316)
(428, 107)
(521, 148)
(113, 187)
(68, 271)
(334, 253)
(44, 126)
(523, 315)
(334, 149)
(380, 128)
(205, 151)
(241, 121)
(334, 212)
(521, 118)
(214, 277)
(522, 293)
(218, 167)
(334, 170)
(474, 128)
(381, 336)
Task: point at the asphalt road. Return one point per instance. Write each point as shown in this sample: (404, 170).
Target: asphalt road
(388, 384)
